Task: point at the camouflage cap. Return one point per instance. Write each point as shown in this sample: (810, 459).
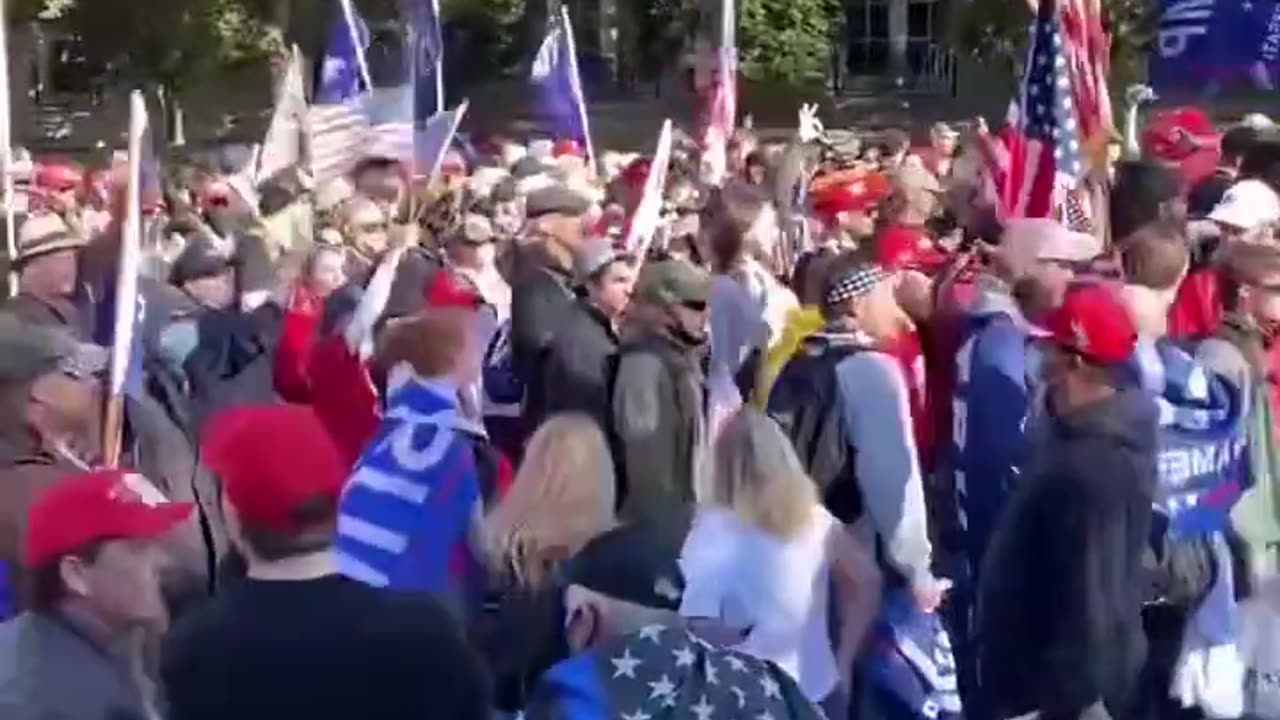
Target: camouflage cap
(672, 282)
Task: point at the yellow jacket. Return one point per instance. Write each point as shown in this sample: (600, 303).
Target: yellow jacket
(800, 324)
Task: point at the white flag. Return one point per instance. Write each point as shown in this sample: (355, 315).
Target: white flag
(127, 310)
(648, 214)
(282, 146)
(6, 147)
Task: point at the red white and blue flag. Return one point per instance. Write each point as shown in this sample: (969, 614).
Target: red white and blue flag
(350, 119)
(1046, 158)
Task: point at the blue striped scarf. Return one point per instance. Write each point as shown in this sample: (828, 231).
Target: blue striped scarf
(407, 507)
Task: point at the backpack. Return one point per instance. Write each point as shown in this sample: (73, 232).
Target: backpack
(805, 403)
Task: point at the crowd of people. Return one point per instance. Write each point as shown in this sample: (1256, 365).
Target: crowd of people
(844, 440)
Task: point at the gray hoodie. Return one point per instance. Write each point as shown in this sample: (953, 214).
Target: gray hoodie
(877, 417)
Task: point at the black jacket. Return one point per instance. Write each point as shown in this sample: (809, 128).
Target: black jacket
(659, 429)
(539, 306)
(579, 365)
(1060, 599)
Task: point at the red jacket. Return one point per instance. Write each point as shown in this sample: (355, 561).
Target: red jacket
(326, 374)
(1197, 309)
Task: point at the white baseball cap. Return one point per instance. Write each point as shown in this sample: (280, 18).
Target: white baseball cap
(1030, 240)
(1248, 205)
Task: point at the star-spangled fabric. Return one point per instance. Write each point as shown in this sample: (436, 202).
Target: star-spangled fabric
(1046, 158)
(910, 665)
(665, 672)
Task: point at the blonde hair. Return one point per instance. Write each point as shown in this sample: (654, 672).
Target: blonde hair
(563, 496)
(758, 476)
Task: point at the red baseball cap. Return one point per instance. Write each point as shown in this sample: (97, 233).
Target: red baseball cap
(857, 196)
(272, 459)
(1092, 322)
(94, 506)
(1186, 138)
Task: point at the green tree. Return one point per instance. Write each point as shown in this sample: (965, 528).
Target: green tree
(161, 46)
(996, 31)
(785, 40)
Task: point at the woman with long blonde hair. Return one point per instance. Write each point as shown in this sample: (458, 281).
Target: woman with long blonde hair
(562, 497)
(762, 555)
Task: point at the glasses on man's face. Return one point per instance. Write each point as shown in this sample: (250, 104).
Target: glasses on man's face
(371, 227)
(695, 305)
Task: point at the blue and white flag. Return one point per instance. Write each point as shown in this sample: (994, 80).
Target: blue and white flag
(126, 306)
(1202, 467)
(559, 102)
(426, 57)
(1207, 44)
(343, 73)
(434, 139)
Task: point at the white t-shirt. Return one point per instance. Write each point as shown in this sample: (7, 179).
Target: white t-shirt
(779, 590)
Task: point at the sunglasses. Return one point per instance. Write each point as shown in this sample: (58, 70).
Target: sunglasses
(695, 305)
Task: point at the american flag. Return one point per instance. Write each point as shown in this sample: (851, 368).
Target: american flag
(1045, 154)
(1088, 48)
(1076, 212)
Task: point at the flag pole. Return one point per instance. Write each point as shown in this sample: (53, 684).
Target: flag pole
(439, 61)
(350, 16)
(126, 286)
(6, 155)
(567, 26)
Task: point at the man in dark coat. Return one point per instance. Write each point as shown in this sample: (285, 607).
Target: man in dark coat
(581, 357)
(544, 293)
(1061, 593)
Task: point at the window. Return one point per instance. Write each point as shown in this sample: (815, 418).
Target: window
(69, 70)
(920, 19)
(868, 36)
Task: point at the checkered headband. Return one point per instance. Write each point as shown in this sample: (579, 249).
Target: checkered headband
(854, 284)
